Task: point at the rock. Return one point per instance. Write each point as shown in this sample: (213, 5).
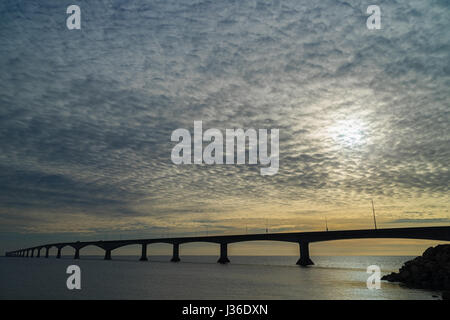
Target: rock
(405, 274)
(392, 277)
(427, 254)
(446, 295)
(429, 271)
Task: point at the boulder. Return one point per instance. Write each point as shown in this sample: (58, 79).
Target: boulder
(429, 271)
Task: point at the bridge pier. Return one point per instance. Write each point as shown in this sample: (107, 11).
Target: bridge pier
(77, 254)
(58, 255)
(223, 254)
(47, 249)
(176, 253)
(304, 260)
(27, 253)
(38, 253)
(144, 253)
(32, 253)
(107, 254)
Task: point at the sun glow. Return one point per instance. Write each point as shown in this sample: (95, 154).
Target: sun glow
(348, 133)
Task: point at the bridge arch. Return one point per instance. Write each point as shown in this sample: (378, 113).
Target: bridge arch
(269, 247)
(52, 250)
(207, 249)
(132, 249)
(108, 247)
(65, 250)
(93, 248)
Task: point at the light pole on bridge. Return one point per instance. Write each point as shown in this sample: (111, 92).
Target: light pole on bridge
(374, 218)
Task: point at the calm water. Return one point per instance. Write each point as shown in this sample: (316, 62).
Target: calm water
(200, 277)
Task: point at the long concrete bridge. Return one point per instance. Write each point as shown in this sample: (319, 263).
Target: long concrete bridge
(302, 238)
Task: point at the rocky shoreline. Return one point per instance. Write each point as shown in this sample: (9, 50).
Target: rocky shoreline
(431, 270)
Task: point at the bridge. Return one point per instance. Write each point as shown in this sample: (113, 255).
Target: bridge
(302, 238)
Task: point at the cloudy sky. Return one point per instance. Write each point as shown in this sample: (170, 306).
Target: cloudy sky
(86, 116)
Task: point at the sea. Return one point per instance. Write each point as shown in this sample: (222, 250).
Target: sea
(201, 277)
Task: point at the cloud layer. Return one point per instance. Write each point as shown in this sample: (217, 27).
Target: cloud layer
(86, 116)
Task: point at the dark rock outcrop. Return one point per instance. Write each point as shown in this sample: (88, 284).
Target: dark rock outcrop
(429, 271)
(446, 295)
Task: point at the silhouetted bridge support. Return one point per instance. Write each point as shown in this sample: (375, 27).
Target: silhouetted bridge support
(304, 260)
(144, 253)
(107, 254)
(175, 253)
(223, 253)
(302, 238)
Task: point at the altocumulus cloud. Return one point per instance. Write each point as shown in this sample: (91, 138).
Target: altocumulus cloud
(86, 116)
